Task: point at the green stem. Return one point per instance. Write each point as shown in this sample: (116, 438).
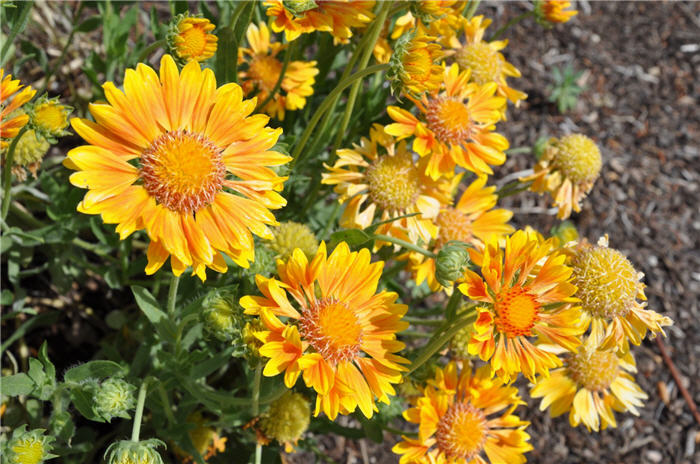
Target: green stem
(7, 175)
(513, 188)
(278, 84)
(453, 304)
(518, 150)
(416, 334)
(166, 404)
(136, 429)
(150, 49)
(256, 407)
(419, 321)
(510, 23)
(331, 220)
(64, 51)
(405, 244)
(470, 9)
(172, 295)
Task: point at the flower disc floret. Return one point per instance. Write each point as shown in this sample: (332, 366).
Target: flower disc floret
(461, 431)
(290, 235)
(484, 61)
(394, 182)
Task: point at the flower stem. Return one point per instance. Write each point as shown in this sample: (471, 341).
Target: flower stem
(511, 23)
(470, 9)
(172, 295)
(406, 245)
(278, 84)
(255, 409)
(419, 321)
(166, 404)
(136, 429)
(7, 175)
(76, 22)
(150, 49)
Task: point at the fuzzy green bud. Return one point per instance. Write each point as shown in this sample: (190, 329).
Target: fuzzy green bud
(451, 261)
(28, 447)
(134, 452)
(115, 398)
(287, 419)
(222, 316)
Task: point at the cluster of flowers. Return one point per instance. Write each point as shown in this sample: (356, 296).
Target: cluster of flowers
(189, 163)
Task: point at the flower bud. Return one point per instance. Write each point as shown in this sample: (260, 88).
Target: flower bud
(28, 447)
(134, 452)
(291, 235)
(297, 7)
(114, 398)
(49, 118)
(252, 342)
(190, 38)
(451, 262)
(287, 419)
(565, 232)
(222, 316)
(414, 67)
(29, 151)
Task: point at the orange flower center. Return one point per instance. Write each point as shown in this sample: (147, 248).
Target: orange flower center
(265, 70)
(517, 312)
(449, 119)
(194, 41)
(462, 431)
(594, 369)
(183, 171)
(454, 225)
(484, 61)
(332, 329)
(394, 182)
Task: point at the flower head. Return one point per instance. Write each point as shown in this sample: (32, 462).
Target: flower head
(339, 332)
(290, 235)
(526, 292)
(190, 38)
(609, 288)
(456, 126)
(287, 419)
(29, 151)
(185, 161)
(590, 386)
(379, 177)
(414, 64)
(49, 117)
(115, 398)
(567, 170)
(465, 418)
(134, 452)
(222, 317)
(264, 69)
(296, 17)
(11, 121)
(549, 12)
(28, 447)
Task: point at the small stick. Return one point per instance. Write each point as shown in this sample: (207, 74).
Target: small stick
(677, 378)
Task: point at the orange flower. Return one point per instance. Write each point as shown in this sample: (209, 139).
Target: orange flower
(343, 336)
(553, 11)
(10, 126)
(191, 38)
(162, 157)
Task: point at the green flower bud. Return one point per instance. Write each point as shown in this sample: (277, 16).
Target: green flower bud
(451, 262)
(222, 316)
(298, 7)
(115, 398)
(134, 452)
(565, 232)
(287, 419)
(264, 263)
(31, 447)
(291, 235)
(252, 343)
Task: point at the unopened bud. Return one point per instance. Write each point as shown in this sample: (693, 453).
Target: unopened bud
(134, 452)
(451, 262)
(115, 398)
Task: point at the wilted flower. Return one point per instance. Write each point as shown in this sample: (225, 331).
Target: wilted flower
(287, 419)
(29, 152)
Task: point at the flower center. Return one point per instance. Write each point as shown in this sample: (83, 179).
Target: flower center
(454, 225)
(462, 431)
(578, 158)
(393, 182)
(483, 60)
(265, 70)
(594, 369)
(50, 117)
(183, 171)
(607, 282)
(448, 118)
(517, 312)
(194, 41)
(29, 452)
(332, 329)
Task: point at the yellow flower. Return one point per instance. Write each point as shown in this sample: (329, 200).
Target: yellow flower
(379, 178)
(28, 447)
(264, 70)
(296, 17)
(456, 126)
(591, 384)
(471, 220)
(465, 418)
(525, 291)
(49, 117)
(414, 64)
(190, 38)
(567, 170)
(287, 419)
(10, 126)
(342, 337)
(553, 11)
(608, 287)
(291, 235)
(185, 161)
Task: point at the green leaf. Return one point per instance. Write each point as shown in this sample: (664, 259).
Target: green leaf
(82, 399)
(150, 307)
(49, 368)
(210, 365)
(352, 237)
(99, 369)
(226, 56)
(90, 24)
(15, 385)
(61, 425)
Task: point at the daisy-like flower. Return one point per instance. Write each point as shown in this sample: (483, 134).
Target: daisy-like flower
(590, 386)
(28, 447)
(337, 330)
(463, 419)
(456, 126)
(264, 70)
(296, 17)
(484, 59)
(185, 161)
(471, 221)
(11, 125)
(49, 117)
(549, 12)
(526, 293)
(190, 38)
(609, 287)
(379, 177)
(414, 65)
(567, 170)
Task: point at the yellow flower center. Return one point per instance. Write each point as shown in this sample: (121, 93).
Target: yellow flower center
(595, 370)
(578, 158)
(484, 61)
(183, 171)
(454, 225)
(462, 431)
(607, 282)
(28, 452)
(264, 71)
(517, 312)
(449, 119)
(332, 329)
(291, 235)
(394, 182)
(193, 43)
(51, 117)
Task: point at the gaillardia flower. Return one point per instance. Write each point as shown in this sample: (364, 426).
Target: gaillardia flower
(296, 17)
(190, 38)
(526, 292)
(608, 288)
(456, 126)
(567, 170)
(264, 70)
(465, 418)
(185, 161)
(591, 385)
(414, 67)
(471, 221)
(10, 125)
(337, 331)
(28, 447)
(49, 117)
(379, 177)
(549, 12)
